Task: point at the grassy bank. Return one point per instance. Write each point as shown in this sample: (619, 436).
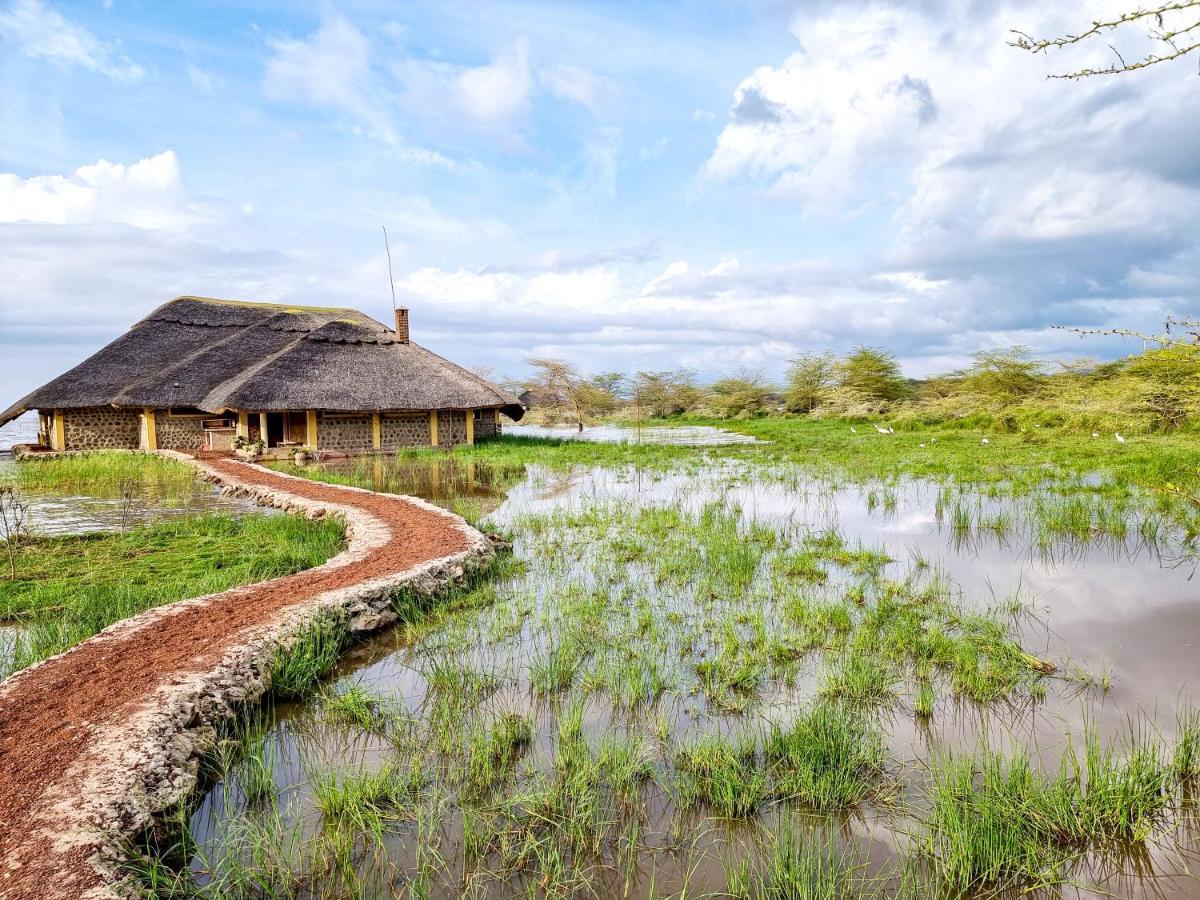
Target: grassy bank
(859, 451)
(69, 588)
(99, 472)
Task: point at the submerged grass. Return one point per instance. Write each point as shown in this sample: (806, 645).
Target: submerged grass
(600, 708)
(996, 821)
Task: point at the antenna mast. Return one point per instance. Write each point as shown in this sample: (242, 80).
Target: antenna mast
(391, 280)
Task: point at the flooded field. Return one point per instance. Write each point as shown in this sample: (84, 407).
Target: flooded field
(106, 537)
(728, 678)
(690, 435)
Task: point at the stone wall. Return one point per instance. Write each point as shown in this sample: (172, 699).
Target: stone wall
(178, 432)
(101, 428)
(404, 429)
(486, 424)
(345, 433)
(452, 427)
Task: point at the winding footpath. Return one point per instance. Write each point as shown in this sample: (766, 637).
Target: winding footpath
(96, 741)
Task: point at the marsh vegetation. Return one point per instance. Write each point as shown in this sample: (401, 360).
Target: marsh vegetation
(818, 667)
(152, 535)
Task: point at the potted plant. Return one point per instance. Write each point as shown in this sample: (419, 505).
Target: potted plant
(301, 455)
(248, 449)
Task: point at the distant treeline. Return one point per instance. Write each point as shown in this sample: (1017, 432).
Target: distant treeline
(1156, 390)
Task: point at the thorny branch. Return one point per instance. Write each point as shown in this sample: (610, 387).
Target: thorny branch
(1175, 41)
(1188, 327)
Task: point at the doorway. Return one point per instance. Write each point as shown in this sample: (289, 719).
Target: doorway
(275, 432)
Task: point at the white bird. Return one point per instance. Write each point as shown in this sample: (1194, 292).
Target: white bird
(933, 440)
(853, 429)
(922, 445)
(1120, 438)
(1037, 426)
(1095, 434)
(881, 429)
(984, 441)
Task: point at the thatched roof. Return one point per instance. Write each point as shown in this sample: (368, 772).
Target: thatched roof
(218, 355)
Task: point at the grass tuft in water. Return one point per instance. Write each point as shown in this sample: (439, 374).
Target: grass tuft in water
(829, 759)
(297, 668)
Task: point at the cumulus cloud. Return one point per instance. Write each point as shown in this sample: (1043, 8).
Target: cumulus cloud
(146, 193)
(39, 31)
(881, 99)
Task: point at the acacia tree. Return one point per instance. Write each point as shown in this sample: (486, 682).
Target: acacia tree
(557, 384)
(809, 378)
(664, 394)
(1003, 374)
(1174, 32)
(873, 374)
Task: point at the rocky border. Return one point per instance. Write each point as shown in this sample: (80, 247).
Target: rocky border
(151, 763)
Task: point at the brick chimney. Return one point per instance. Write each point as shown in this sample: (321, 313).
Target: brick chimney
(402, 324)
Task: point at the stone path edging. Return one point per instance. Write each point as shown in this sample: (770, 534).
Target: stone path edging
(149, 764)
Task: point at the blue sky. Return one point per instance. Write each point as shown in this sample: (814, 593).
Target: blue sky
(627, 185)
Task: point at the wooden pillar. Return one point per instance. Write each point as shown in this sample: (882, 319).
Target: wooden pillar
(151, 430)
(311, 439)
(243, 426)
(59, 441)
(376, 432)
(470, 426)
(262, 428)
(433, 423)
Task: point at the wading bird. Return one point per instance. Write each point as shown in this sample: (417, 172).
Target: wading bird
(1120, 438)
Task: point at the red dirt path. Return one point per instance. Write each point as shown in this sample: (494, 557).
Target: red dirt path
(56, 715)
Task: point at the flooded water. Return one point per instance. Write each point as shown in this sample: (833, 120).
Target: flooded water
(693, 435)
(621, 585)
(21, 430)
(108, 507)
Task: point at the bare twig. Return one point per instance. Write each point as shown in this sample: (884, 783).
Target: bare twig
(128, 488)
(13, 527)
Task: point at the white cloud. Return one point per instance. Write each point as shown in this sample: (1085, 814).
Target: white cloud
(146, 194)
(201, 79)
(41, 32)
(598, 94)
(330, 69)
(494, 97)
(496, 93)
(912, 281)
(857, 94)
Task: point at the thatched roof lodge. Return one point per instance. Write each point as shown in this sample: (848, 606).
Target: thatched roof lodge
(197, 373)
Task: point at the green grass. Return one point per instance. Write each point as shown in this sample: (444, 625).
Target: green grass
(829, 759)
(722, 775)
(298, 666)
(100, 473)
(995, 821)
(366, 801)
(598, 709)
(69, 588)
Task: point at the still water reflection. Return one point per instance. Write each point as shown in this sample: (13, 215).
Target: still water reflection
(1122, 609)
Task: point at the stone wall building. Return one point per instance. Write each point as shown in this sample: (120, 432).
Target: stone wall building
(202, 374)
